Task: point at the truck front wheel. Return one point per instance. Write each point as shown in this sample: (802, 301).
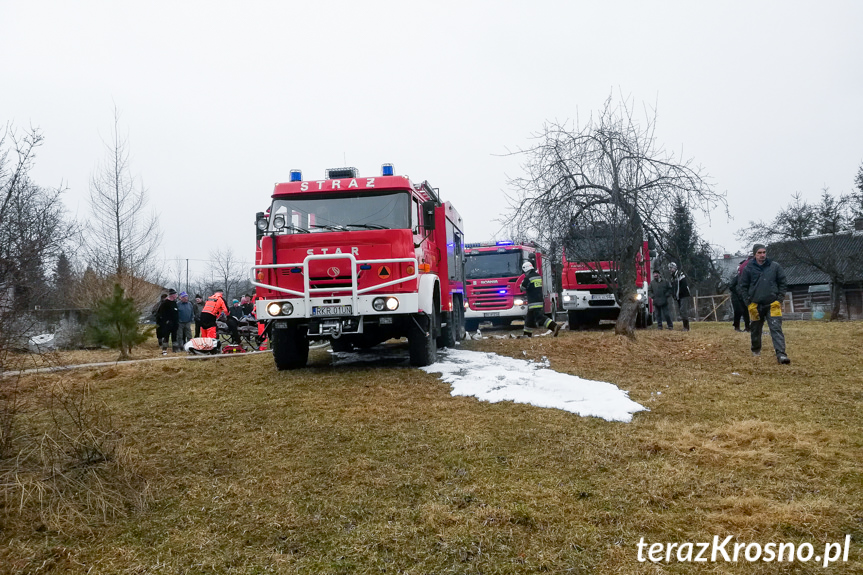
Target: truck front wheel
(290, 348)
(421, 341)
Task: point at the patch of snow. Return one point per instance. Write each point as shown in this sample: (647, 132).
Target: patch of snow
(491, 377)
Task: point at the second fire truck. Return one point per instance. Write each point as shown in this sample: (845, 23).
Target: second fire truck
(492, 270)
(356, 261)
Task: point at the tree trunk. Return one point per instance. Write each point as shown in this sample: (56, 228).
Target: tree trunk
(626, 320)
(835, 300)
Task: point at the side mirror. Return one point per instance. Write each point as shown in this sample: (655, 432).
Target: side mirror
(652, 254)
(428, 215)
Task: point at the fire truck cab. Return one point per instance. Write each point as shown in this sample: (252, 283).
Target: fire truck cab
(492, 274)
(357, 261)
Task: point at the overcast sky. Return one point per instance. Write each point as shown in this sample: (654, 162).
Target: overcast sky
(219, 100)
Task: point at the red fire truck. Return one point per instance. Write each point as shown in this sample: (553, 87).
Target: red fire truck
(492, 270)
(586, 296)
(356, 261)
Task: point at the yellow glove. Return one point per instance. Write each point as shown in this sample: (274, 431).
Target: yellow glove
(776, 309)
(753, 311)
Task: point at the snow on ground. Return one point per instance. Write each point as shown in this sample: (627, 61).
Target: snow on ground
(491, 377)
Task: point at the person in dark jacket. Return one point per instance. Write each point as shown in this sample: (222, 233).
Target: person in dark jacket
(737, 304)
(167, 319)
(762, 288)
(681, 295)
(660, 292)
(535, 317)
(155, 316)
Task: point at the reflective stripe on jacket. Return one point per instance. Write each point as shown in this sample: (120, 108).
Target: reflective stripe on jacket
(215, 305)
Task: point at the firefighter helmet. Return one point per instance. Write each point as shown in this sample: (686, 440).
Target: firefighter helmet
(526, 267)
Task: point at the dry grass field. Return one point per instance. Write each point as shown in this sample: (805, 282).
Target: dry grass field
(229, 466)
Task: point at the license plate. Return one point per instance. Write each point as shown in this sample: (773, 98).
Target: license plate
(331, 310)
(491, 314)
(281, 324)
(602, 296)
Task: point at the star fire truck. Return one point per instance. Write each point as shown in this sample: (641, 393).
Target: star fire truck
(357, 261)
(586, 296)
(492, 271)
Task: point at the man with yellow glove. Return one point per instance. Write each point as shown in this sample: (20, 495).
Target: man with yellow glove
(762, 288)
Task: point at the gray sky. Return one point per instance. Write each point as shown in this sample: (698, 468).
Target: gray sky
(219, 100)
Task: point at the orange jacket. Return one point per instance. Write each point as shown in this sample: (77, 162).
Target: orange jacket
(215, 305)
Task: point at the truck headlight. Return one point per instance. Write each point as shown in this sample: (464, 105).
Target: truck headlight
(638, 297)
(566, 298)
(392, 304)
(518, 301)
(277, 308)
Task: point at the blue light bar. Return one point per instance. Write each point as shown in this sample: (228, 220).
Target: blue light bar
(296, 175)
(387, 170)
(505, 243)
(501, 291)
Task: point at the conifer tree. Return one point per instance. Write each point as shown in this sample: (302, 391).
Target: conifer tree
(116, 323)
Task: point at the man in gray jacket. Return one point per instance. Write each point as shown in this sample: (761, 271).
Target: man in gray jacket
(762, 288)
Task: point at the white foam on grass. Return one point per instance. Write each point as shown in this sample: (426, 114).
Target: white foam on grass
(491, 377)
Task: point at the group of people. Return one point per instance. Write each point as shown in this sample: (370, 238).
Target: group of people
(757, 291)
(174, 315)
(664, 291)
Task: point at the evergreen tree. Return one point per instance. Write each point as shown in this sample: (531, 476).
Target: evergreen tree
(64, 282)
(831, 214)
(689, 251)
(116, 323)
(857, 195)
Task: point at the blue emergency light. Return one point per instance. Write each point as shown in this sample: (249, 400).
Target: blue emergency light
(387, 170)
(296, 175)
(505, 243)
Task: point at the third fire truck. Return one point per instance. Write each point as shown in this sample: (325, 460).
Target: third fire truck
(492, 271)
(356, 261)
(585, 295)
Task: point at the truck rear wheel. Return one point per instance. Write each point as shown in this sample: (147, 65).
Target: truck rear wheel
(290, 348)
(421, 341)
(453, 331)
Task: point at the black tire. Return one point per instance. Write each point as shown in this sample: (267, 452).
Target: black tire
(454, 327)
(462, 324)
(290, 348)
(421, 341)
(574, 320)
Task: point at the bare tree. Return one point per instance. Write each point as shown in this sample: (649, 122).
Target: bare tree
(227, 272)
(608, 174)
(121, 238)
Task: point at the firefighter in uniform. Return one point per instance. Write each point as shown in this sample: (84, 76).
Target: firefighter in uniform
(214, 307)
(532, 284)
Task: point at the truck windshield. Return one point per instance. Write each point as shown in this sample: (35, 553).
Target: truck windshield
(492, 265)
(342, 212)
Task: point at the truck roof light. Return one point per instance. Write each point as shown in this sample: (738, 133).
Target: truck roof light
(296, 175)
(387, 170)
(505, 243)
(337, 173)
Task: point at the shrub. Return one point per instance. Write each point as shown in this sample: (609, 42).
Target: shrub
(116, 323)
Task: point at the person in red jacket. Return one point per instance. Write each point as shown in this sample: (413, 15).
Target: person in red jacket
(214, 307)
